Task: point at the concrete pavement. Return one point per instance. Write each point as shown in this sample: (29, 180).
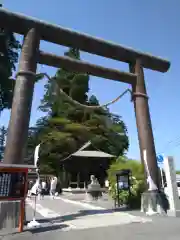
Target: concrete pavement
(72, 219)
(78, 215)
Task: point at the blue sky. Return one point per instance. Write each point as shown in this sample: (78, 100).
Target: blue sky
(150, 26)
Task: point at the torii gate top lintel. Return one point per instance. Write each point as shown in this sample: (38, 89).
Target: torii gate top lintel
(21, 24)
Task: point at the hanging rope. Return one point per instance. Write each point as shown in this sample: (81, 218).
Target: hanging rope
(39, 75)
(80, 104)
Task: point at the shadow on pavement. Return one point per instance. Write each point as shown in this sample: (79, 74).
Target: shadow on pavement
(41, 229)
(47, 228)
(81, 213)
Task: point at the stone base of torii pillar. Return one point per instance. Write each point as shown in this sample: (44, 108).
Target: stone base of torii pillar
(154, 202)
(157, 202)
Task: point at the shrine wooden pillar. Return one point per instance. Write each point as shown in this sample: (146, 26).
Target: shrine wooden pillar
(22, 100)
(20, 116)
(143, 121)
(78, 179)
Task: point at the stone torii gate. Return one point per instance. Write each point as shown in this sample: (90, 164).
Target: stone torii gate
(35, 30)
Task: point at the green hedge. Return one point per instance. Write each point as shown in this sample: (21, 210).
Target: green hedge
(137, 181)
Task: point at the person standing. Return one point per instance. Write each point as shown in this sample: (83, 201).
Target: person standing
(53, 185)
(30, 184)
(43, 191)
(107, 183)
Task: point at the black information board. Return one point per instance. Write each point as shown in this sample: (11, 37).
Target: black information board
(12, 185)
(123, 182)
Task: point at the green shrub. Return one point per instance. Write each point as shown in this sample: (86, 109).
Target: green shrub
(137, 181)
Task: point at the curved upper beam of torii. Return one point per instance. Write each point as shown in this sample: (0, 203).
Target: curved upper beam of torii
(21, 24)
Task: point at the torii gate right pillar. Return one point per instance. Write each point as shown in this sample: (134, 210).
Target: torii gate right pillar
(152, 201)
(143, 121)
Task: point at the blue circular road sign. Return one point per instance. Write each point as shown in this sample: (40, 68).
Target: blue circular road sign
(160, 159)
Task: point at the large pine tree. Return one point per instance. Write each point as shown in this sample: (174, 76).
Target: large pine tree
(68, 126)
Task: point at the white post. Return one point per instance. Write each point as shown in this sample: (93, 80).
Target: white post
(172, 191)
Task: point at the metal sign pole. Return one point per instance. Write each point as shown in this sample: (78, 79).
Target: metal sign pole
(34, 223)
(34, 212)
(162, 180)
(160, 161)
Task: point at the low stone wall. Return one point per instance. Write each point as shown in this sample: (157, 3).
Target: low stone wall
(9, 214)
(80, 190)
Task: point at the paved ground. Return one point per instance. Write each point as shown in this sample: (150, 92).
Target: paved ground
(70, 217)
(80, 215)
(105, 201)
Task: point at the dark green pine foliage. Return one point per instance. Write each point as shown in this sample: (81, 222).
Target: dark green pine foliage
(67, 126)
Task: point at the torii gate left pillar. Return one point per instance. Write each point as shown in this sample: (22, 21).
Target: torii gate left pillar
(22, 100)
(19, 121)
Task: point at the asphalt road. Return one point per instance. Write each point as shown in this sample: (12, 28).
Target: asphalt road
(61, 219)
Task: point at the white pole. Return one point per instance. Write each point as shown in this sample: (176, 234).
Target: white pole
(34, 223)
(34, 213)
